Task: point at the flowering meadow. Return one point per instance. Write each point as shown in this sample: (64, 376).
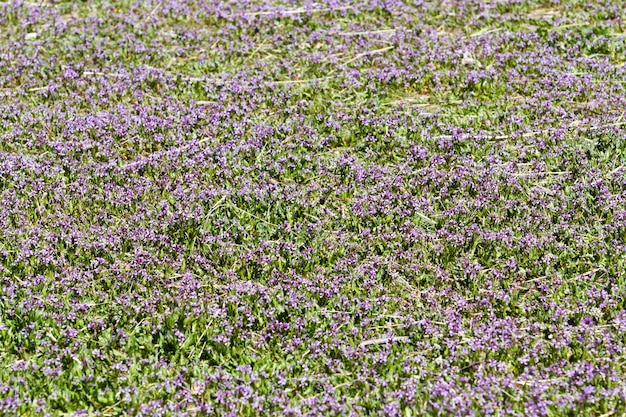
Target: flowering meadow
(339, 208)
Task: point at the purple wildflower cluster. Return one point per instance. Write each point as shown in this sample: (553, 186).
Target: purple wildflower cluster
(258, 208)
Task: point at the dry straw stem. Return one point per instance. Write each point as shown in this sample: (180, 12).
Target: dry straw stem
(545, 12)
(368, 32)
(382, 340)
(482, 32)
(367, 53)
(306, 81)
(300, 10)
(493, 137)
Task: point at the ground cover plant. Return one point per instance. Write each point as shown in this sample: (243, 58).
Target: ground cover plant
(280, 208)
